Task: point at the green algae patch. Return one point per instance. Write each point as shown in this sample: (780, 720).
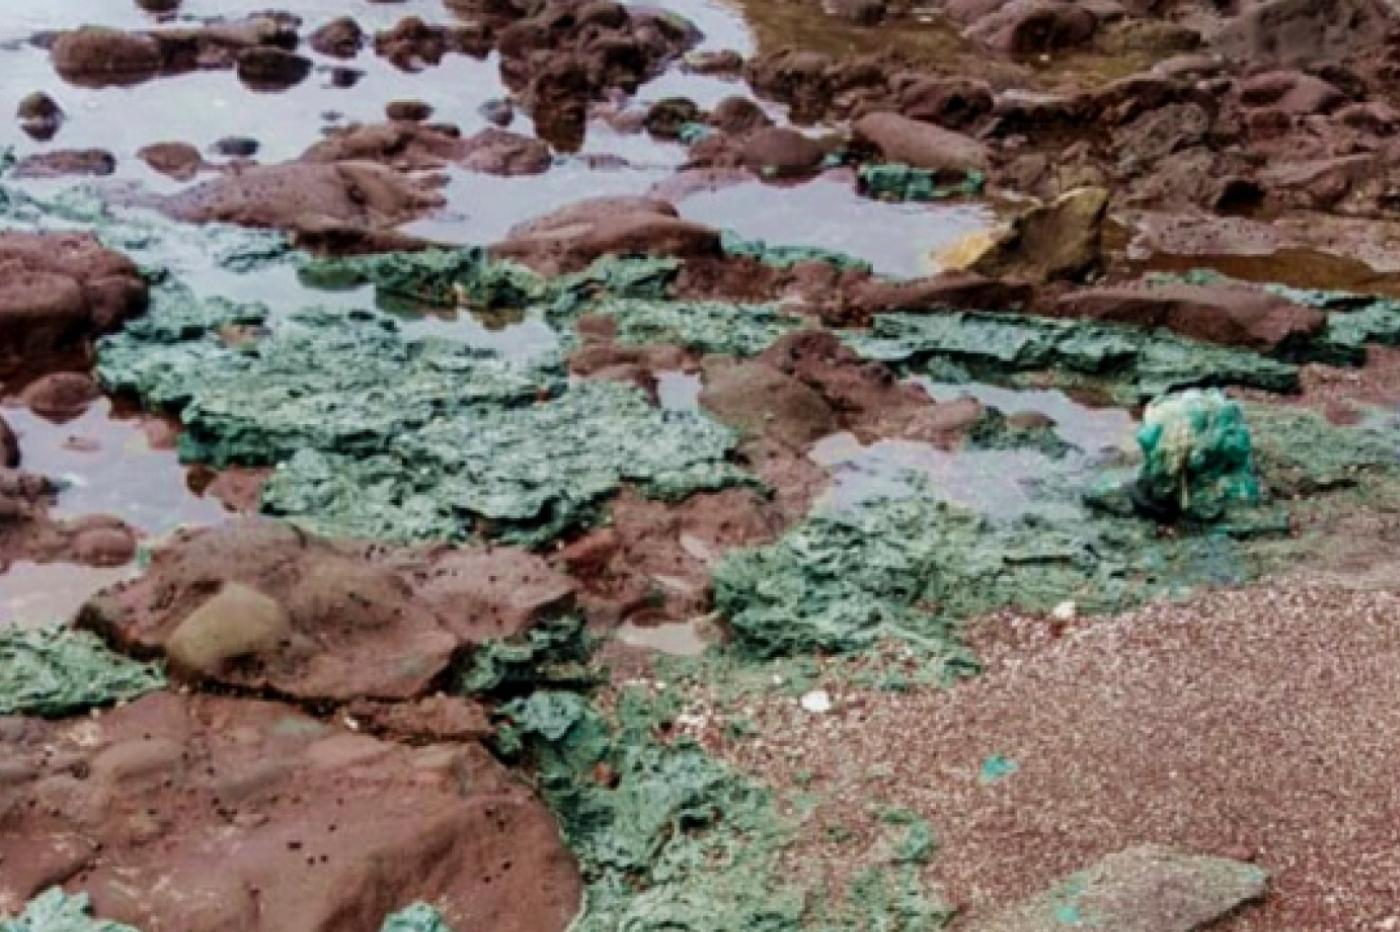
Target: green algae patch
(1301, 453)
(1129, 364)
(469, 277)
(1197, 457)
(896, 182)
(703, 326)
(671, 840)
(419, 917)
(521, 474)
(785, 257)
(552, 655)
(349, 382)
(56, 911)
(58, 671)
(906, 569)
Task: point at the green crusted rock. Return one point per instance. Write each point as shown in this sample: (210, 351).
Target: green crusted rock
(1198, 459)
(906, 569)
(785, 257)
(58, 671)
(1131, 364)
(344, 382)
(895, 182)
(552, 654)
(522, 474)
(420, 917)
(702, 326)
(469, 277)
(55, 911)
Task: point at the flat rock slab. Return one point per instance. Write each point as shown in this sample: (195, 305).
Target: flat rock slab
(205, 814)
(258, 604)
(1145, 889)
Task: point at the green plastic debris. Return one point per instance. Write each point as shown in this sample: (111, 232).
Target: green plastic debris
(58, 671)
(785, 257)
(896, 182)
(56, 911)
(420, 917)
(1130, 364)
(997, 768)
(1197, 458)
(522, 474)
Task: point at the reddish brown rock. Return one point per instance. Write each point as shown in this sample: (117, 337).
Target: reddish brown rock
(1291, 92)
(801, 79)
(29, 532)
(412, 111)
(758, 399)
(1295, 32)
(1035, 27)
(956, 103)
(1059, 240)
(922, 145)
(97, 55)
(653, 563)
(60, 396)
(413, 44)
(436, 718)
(317, 829)
(572, 237)
(959, 290)
(178, 160)
(57, 291)
(781, 152)
(260, 605)
(406, 146)
(500, 152)
(63, 162)
(1229, 315)
(311, 197)
(737, 115)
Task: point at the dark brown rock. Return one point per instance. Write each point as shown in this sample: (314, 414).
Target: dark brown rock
(272, 68)
(412, 111)
(340, 38)
(39, 116)
(500, 152)
(9, 446)
(956, 103)
(319, 829)
(1059, 240)
(97, 55)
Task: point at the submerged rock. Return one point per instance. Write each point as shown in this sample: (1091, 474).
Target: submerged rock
(63, 162)
(319, 828)
(40, 116)
(1145, 889)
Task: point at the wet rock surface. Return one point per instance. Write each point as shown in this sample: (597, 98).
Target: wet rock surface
(263, 606)
(320, 828)
(58, 292)
(681, 304)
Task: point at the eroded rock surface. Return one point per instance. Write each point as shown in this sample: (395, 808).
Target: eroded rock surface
(314, 828)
